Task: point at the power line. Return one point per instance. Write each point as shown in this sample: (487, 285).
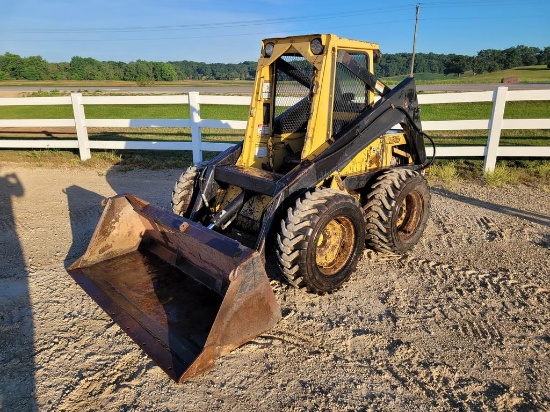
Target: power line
(271, 20)
(463, 3)
(198, 26)
(248, 34)
(208, 36)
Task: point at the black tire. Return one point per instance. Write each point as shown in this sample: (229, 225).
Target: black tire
(396, 211)
(321, 240)
(185, 187)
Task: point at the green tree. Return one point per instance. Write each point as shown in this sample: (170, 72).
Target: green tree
(487, 61)
(544, 56)
(113, 70)
(34, 68)
(164, 72)
(58, 71)
(528, 55)
(139, 71)
(394, 64)
(12, 65)
(457, 64)
(85, 68)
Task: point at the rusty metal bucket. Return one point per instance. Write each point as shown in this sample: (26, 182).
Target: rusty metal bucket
(185, 294)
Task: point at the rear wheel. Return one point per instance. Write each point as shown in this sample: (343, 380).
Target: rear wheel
(321, 240)
(396, 211)
(185, 187)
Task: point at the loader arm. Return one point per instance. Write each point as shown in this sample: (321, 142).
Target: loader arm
(291, 71)
(373, 82)
(396, 106)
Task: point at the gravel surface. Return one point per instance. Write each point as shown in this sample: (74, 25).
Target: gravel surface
(459, 323)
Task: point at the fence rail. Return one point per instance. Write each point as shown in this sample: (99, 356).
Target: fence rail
(494, 125)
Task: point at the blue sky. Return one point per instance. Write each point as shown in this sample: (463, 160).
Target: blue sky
(231, 30)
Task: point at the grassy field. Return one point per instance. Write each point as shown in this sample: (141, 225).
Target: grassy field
(528, 74)
(444, 169)
(129, 111)
(450, 111)
(90, 84)
(459, 111)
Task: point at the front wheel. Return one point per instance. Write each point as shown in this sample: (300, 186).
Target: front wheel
(396, 210)
(185, 190)
(321, 240)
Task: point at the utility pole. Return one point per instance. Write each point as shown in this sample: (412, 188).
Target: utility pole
(414, 41)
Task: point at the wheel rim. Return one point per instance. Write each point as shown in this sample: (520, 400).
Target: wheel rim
(409, 215)
(335, 245)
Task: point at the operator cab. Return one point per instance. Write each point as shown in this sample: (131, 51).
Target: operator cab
(289, 95)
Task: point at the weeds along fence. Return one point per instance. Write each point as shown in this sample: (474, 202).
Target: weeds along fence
(494, 125)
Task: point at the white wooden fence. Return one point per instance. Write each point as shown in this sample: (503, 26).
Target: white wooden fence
(495, 124)
(490, 152)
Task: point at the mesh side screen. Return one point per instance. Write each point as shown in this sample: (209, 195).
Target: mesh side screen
(292, 103)
(350, 95)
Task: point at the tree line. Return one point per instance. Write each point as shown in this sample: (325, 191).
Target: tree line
(486, 61)
(15, 67)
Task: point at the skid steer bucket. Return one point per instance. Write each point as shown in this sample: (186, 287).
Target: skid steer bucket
(185, 294)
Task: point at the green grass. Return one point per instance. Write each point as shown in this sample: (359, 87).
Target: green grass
(101, 159)
(482, 110)
(507, 171)
(528, 74)
(447, 111)
(479, 138)
(446, 171)
(502, 175)
(425, 78)
(129, 111)
(90, 84)
(429, 112)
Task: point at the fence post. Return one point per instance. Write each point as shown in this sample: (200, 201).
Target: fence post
(195, 116)
(495, 128)
(81, 130)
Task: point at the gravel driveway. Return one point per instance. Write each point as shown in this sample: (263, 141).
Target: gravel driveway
(461, 322)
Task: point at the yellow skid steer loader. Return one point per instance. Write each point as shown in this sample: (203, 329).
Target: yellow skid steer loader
(324, 170)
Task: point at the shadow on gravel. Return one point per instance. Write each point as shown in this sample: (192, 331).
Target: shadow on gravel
(533, 217)
(84, 212)
(17, 381)
(85, 206)
(545, 241)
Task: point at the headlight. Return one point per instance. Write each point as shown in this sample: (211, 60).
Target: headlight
(316, 46)
(268, 49)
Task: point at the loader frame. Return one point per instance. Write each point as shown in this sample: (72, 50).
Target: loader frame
(396, 106)
(187, 293)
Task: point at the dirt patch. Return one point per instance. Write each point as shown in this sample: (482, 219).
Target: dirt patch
(10, 93)
(461, 322)
(38, 132)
